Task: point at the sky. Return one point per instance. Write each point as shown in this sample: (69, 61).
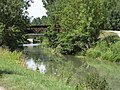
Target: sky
(36, 9)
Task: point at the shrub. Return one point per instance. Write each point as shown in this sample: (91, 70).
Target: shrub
(116, 51)
(111, 39)
(6, 54)
(107, 49)
(113, 53)
(108, 55)
(95, 82)
(94, 53)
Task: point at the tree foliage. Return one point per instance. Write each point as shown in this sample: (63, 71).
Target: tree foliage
(80, 22)
(113, 15)
(36, 21)
(14, 19)
(40, 21)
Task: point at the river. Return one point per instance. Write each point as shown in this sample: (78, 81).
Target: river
(69, 68)
(42, 60)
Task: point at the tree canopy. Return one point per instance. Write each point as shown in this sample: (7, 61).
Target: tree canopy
(40, 21)
(36, 21)
(80, 22)
(13, 21)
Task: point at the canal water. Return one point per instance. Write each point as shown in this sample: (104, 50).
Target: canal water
(39, 58)
(42, 60)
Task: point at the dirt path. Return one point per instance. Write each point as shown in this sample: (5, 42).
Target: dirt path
(2, 88)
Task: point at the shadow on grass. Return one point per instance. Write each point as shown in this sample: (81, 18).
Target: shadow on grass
(6, 72)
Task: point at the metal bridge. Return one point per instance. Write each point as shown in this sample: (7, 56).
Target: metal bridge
(35, 31)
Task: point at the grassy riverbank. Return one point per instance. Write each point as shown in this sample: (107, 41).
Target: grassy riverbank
(13, 76)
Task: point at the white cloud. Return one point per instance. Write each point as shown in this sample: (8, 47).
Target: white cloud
(36, 9)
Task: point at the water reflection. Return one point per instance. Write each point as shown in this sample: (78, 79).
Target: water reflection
(42, 60)
(42, 68)
(31, 64)
(35, 66)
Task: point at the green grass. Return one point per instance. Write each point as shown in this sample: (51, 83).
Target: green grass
(13, 76)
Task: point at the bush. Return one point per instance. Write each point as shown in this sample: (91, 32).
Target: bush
(111, 39)
(113, 53)
(11, 37)
(108, 55)
(94, 53)
(6, 54)
(95, 82)
(116, 51)
(106, 49)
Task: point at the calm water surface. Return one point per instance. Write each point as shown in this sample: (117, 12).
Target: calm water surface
(42, 60)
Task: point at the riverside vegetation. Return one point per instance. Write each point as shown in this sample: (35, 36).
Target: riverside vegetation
(75, 27)
(96, 72)
(13, 76)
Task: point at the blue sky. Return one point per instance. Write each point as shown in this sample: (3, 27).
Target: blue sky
(36, 9)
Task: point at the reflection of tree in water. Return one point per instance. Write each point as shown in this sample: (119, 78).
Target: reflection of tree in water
(31, 64)
(36, 53)
(69, 67)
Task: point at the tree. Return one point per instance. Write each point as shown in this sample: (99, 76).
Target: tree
(113, 15)
(79, 21)
(44, 20)
(14, 19)
(36, 21)
(48, 2)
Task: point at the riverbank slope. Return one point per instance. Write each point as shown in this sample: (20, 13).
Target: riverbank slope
(13, 76)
